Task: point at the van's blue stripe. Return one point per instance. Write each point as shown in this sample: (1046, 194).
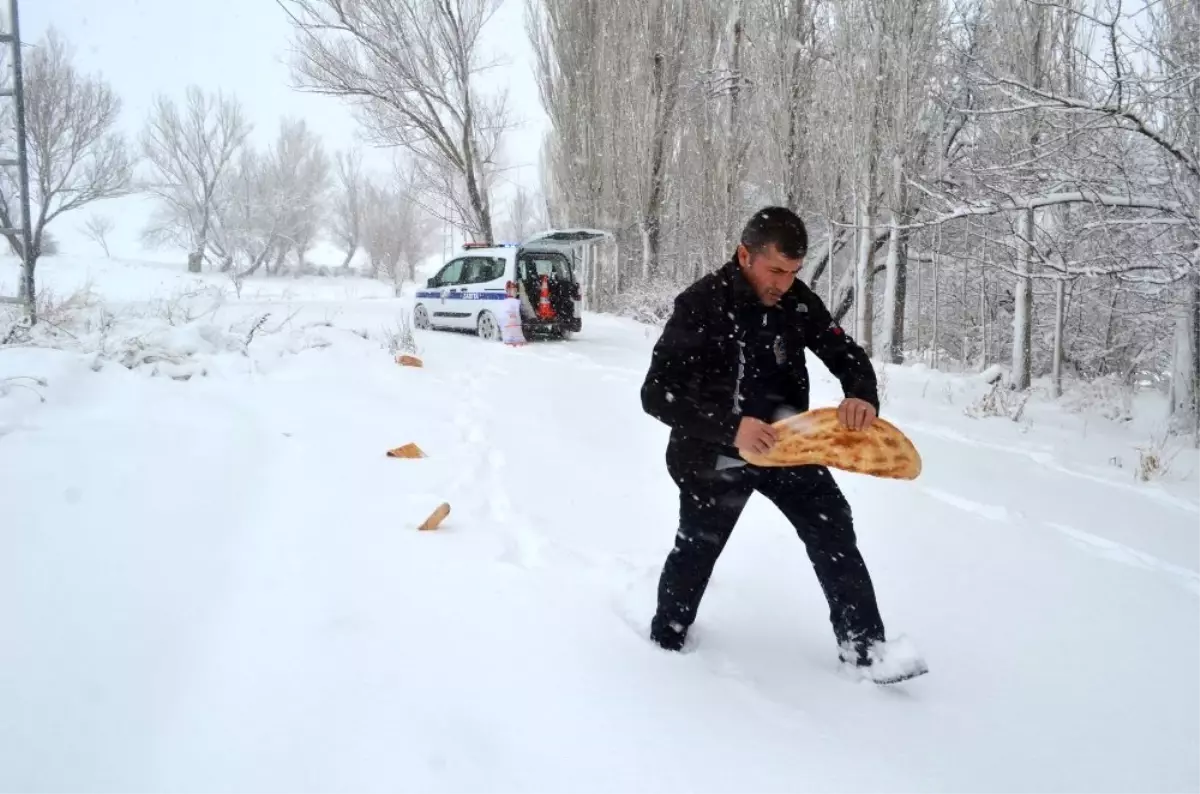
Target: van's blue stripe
(486, 295)
(460, 296)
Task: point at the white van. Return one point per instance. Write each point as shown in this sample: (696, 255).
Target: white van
(541, 273)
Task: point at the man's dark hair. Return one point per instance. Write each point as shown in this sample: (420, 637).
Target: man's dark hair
(778, 225)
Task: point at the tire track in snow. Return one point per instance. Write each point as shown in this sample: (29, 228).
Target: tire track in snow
(1119, 552)
(1094, 544)
(990, 512)
(1046, 460)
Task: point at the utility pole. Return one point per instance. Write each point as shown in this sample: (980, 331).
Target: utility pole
(24, 232)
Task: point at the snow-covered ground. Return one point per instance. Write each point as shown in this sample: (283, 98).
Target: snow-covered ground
(216, 583)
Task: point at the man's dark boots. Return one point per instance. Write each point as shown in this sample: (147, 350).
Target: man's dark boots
(667, 634)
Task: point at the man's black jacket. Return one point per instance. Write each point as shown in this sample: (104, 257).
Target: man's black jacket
(696, 368)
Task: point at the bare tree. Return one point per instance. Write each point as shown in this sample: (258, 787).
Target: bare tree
(346, 220)
(523, 216)
(1177, 39)
(247, 216)
(1099, 157)
(191, 156)
(302, 178)
(576, 44)
(795, 53)
(397, 232)
(271, 203)
(415, 226)
(865, 106)
(617, 145)
(409, 66)
(379, 240)
(669, 26)
(76, 156)
(97, 228)
(1042, 35)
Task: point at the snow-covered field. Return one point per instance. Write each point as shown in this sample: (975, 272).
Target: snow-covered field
(216, 583)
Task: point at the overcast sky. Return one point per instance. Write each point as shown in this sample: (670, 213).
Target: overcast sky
(143, 47)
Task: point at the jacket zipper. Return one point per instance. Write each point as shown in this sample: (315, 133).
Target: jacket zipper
(741, 372)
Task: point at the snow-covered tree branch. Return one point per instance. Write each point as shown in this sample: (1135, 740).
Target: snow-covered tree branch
(410, 67)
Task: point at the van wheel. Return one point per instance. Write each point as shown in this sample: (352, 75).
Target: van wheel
(421, 318)
(487, 327)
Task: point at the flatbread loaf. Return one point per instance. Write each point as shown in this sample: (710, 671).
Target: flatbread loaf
(409, 450)
(435, 518)
(817, 437)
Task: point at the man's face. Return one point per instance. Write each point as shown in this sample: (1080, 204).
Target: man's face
(769, 272)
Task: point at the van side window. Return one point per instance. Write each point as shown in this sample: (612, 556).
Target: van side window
(496, 270)
(479, 269)
(449, 275)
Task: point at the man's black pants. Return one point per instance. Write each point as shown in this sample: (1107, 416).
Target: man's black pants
(710, 503)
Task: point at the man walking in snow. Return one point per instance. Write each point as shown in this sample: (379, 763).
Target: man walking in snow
(729, 362)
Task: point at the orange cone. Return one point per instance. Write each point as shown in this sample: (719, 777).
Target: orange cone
(544, 310)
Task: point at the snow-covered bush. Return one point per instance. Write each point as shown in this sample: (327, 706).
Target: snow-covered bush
(8, 384)
(1156, 456)
(56, 316)
(882, 380)
(177, 352)
(178, 337)
(1109, 397)
(648, 301)
(186, 307)
(400, 338)
(999, 401)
